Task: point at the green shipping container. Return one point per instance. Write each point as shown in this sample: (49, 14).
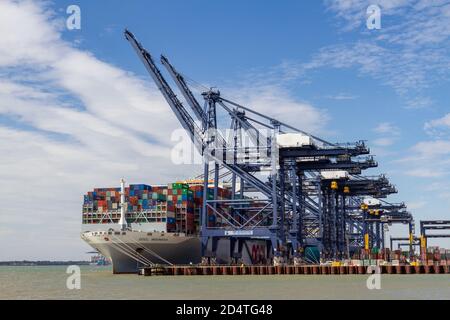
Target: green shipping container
(180, 186)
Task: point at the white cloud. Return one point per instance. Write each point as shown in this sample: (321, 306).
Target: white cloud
(442, 122)
(414, 205)
(388, 134)
(438, 128)
(341, 96)
(384, 142)
(424, 173)
(427, 149)
(70, 122)
(440, 188)
(274, 101)
(427, 159)
(430, 159)
(353, 12)
(387, 128)
(410, 54)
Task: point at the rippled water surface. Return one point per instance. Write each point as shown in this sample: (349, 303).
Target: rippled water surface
(100, 283)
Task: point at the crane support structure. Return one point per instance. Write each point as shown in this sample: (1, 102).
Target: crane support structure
(428, 230)
(288, 187)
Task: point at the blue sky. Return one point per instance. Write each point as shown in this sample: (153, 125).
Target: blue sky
(78, 110)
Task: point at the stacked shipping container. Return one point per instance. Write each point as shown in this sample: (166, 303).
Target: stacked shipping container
(180, 208)
(144, 204)
(213, 219)
(178, 205)
(198, 204)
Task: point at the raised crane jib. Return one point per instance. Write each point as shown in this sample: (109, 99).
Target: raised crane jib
(177, 107)
(183, 116)
(182, 85)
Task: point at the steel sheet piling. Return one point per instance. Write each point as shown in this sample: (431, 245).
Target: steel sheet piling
(291, 270)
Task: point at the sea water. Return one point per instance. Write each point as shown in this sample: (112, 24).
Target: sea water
(99, 283)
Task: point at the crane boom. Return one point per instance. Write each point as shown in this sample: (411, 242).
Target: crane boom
(201, 115)
(252, 132)
(182, 85)
(190, 98)
(184, 117)
(177, 107)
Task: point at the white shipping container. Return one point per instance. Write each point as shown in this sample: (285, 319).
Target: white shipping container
(292, 140)
(380, 262)
(356, 263)
(336, 174)
(371, 202)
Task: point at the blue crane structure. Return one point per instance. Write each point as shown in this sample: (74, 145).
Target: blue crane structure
(392, 240)
(279, 192)
(428, 229)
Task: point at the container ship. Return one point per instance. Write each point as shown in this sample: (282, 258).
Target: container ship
(142, 225)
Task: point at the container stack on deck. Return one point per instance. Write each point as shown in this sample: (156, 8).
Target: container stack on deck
(180, 208)
(101, 199)
(144, 197)
(177, 204)
(198, 203)
(102, 205)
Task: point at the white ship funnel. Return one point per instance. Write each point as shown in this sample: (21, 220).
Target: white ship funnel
(123, 221)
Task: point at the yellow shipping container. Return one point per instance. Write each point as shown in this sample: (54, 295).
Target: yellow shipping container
(335, 264)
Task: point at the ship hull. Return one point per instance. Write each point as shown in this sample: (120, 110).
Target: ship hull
(133, 249)
(130, 250)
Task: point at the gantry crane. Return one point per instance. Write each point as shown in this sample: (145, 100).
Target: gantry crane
(309, 190)
(432, 225)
